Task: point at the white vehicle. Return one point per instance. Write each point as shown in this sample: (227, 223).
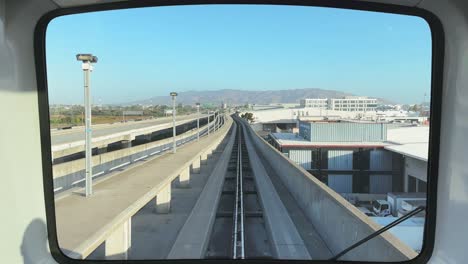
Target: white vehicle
(396, 199)
(393, 204)
(381, 208)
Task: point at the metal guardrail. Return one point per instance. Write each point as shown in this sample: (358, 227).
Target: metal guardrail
(75, 177)
(122, 221)
(378, 232)
(129, 133)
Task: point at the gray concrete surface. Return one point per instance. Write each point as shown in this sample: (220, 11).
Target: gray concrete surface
(85, 223)
(154, 234)
(339, 223)
(284, 238)
(194, 236)
(314, 243)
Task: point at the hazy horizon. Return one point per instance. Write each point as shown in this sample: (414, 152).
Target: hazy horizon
(148, 99)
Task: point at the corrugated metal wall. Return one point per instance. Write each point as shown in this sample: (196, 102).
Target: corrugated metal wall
(301, 157)
(380, 184)
(340, 160)
(380, 160)
(347, 132)
(341, 183)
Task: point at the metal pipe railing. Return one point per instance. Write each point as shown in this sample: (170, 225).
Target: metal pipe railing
(378, 232)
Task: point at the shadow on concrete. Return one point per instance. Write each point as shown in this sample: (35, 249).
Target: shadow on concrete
(79, 193)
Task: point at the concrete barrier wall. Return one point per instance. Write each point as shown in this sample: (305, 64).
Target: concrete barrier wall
(339, 223)
(71, 174)
(91, 243)
(65, 149)
(203, 214)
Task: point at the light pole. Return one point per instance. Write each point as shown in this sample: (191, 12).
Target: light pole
(198, 121)
(174, 95)
(86, 65)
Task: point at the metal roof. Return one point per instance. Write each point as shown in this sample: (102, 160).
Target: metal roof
(282, 121)
(294, 140)
(405, 135)
(409, 141)
(414, 150)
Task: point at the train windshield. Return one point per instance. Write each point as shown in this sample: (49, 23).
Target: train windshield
(235, 131)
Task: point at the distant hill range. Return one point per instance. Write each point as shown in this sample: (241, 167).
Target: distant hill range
(239, 97)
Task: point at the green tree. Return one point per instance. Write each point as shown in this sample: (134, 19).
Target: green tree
(248, 116)
(414, 108)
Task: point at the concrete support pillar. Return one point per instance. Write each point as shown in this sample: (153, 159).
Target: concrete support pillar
(119, 242)
(163, 200)
(204, 157)
(184, 178)
(196, 166)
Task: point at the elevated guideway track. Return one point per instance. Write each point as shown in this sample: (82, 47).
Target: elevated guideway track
(250, 220)
(259, 204)
(252, 203)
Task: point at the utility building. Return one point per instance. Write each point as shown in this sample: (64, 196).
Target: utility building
(340, 131)
(349, 157)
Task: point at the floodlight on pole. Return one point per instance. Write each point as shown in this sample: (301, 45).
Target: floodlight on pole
(198, 121)
(174, 146)
(86, 65)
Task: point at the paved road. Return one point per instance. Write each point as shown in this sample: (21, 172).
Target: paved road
(76, 134)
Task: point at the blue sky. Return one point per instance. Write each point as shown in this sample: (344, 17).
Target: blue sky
(149, 52)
